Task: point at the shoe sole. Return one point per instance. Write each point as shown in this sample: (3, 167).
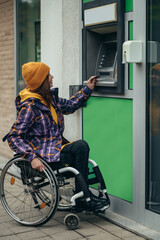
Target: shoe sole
(103, 208)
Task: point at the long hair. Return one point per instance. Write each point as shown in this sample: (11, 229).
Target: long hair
(44, 91)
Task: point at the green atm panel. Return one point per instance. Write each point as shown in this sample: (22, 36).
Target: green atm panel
(128, 5)
(107, 127)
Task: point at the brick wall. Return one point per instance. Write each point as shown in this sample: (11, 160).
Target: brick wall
(6, 72)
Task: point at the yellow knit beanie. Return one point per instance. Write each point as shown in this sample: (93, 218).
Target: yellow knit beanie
(34, 74)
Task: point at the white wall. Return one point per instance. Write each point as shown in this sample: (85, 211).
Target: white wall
(61, 50)
(51, 37)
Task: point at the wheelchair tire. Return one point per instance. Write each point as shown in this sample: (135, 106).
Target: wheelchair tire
(29, 196)
(71, 221)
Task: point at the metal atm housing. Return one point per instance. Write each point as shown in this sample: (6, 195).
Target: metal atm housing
(102, 47)
(106, 64)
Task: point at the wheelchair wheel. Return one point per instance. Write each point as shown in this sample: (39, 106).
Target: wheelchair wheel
(66, 191)
(71, 221)
(29, 196)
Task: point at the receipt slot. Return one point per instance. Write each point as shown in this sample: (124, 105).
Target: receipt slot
(103, 36)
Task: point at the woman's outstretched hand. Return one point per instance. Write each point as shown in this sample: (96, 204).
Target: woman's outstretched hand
(91, 82)
(37, 164)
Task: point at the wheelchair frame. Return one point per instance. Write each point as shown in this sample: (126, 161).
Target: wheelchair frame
(34, 196)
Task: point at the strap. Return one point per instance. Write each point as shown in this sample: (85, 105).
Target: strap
(5, 137)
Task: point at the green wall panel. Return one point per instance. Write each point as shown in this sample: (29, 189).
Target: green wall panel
(131, 30)
(107, 127)
(128, 5)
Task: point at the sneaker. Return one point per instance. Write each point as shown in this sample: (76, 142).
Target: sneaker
(103, 200)
(97, 205)
(82, 205)
(93, 205)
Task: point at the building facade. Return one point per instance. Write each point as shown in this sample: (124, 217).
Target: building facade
(119, 41)
(7, 70)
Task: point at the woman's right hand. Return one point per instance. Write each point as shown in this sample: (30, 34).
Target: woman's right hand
(91, 82)
(37, 164)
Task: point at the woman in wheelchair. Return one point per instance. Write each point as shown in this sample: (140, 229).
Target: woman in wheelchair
(38, 129)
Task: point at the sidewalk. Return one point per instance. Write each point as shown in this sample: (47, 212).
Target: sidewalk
(91, 227)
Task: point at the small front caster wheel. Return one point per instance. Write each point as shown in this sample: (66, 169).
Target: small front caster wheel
(71, 221)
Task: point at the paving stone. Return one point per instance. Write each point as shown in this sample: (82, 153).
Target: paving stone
(43, 238)
(100, 222)
(107, 226)
(11, 237)
(85, 225)
(2, 211)
(10, 224)
(91, 218)
(50, 223)
(60, 220)
(22, 229)
(60, 214)
(134, 238)
(103, 236)
(5, 218)
(89, 231)
(68, 235)
(53, 230)
(4, 231)
(32, 234)
(122, 233)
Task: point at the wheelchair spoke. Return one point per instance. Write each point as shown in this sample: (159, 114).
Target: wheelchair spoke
(29, 196)
(66, 189)
(15, 199)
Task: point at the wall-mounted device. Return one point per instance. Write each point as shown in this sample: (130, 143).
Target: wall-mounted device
(132, 52)
(103, 36)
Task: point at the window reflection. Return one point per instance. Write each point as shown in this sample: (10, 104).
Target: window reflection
(28, 35)
(153, 59)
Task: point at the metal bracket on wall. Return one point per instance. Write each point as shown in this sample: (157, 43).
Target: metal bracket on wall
(74, 89)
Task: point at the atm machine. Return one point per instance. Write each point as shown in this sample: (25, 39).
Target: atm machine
(103, 36)
(107, 119)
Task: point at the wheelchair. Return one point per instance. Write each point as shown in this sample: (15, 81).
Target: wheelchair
(32, 197)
